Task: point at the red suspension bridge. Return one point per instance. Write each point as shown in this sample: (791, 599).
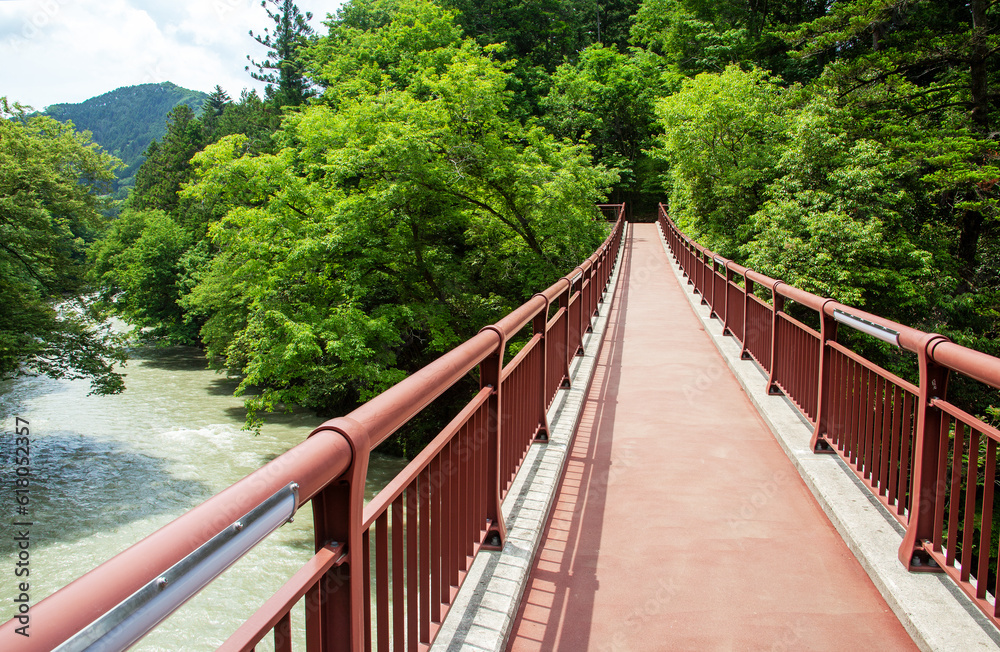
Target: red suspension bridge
(678, 521)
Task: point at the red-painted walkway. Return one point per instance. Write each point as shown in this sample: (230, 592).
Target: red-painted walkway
(680, 523)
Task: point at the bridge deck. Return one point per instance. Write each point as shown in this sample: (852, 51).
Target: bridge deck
(680, 523)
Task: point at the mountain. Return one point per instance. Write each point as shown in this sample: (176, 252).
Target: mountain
(126, 120)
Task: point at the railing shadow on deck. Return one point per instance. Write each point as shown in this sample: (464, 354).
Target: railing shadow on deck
(578, 514)
(384, 574)
(906, 443)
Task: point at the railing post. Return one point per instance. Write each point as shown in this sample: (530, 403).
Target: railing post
(489, 376)
(828, 333)
(926, 490)
(539, 325)
(777, 305)
(335, 610)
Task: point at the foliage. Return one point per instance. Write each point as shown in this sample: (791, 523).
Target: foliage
(53, 187)
(447, 169)
(696, 36)
(723, 137)
(839, 222)
(607, 100)
(167, 163)
(390, 227)
(137, 263)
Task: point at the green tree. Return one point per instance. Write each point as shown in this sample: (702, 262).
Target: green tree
(840, 221)
(250, 116)
(723, 135)
(389, 226)
(138, 265)
(380, 45)
(53, 189)
(215, 105)
(607, 99)
(168, 162)
(283, 71)
(707, 35)
(924, 75)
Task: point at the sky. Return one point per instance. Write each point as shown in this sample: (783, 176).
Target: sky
(66, 51)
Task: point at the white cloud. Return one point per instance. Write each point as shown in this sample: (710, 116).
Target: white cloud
(54, 51)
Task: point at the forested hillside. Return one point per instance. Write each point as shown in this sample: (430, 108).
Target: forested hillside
(417, 168)
(126, 120)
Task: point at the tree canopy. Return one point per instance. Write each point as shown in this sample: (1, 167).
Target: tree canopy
(421, 167)
(53, 186)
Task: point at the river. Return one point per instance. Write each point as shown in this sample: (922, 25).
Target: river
(109, 470)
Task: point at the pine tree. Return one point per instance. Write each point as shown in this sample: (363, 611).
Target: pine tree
(214, 106)
(282, 71)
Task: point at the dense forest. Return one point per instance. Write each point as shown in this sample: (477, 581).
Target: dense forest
(126, 120)
(418, 168)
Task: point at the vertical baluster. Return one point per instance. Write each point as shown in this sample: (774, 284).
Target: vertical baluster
(382, 582)
(455, 511)
(906, 456)
(314, 627)
(885, 407)
(425, 556)
(895, 451)
(464, 475)
(854, 413)
(870, 429)
(283, 634)
(837, 396)
(412, 572)
(956, 489)
(447, 554)
(367, 584)
(944, 445)
(986, 527)
(398, 596)
(969, 526)
(435, 536)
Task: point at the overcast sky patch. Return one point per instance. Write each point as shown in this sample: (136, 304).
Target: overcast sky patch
(56, 51)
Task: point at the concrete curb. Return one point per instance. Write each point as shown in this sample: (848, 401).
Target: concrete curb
(483, 613)
(936, 614)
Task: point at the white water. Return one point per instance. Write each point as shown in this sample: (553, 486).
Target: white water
(107, 471)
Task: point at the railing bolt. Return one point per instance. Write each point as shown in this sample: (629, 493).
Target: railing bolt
(161, 583)
(238, 526)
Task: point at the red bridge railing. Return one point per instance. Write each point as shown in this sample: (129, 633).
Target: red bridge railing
(907, 443)
(421, 531)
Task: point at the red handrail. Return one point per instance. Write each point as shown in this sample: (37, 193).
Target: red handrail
(443, 507)
(906, 442)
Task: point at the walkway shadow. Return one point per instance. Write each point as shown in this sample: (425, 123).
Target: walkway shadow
(558, 603)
